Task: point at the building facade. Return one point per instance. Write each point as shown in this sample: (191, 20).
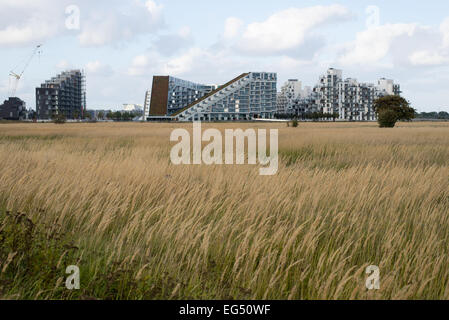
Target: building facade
(170, 94)
(350, 99)
(291, 91)
(248, 96)
(64, 94)
(13, 109)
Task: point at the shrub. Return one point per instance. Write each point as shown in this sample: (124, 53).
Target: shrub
(387, 119)
(391, 109)
(59, 119)
(295, 123)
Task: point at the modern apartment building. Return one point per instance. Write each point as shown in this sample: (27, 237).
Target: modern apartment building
(64, 94)
(13, 109)
(350, 99)
(170, 94)
(327, 88)
(291, 91)
(245, 97)
(250, 95)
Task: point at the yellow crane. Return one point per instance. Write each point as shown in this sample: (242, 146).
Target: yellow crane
(15, 77)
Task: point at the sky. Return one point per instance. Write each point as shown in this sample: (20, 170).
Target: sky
(121, 44)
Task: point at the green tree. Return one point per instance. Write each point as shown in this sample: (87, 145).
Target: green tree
(335, 116)
(391, 109)
(59, 118)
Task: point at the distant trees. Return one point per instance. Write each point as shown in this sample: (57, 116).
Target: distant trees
(59, 118)
(443, 115)
(391, 109)
(315, 116)
(121, 116)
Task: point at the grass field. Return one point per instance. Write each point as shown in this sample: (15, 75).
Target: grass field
(106, 198)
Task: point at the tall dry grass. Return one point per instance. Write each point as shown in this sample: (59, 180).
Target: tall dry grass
(107, 198)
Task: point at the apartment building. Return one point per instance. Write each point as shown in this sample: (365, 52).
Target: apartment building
(350, 99)
(170, 94)
(290, 92)
(243, 98)
(13, 109)
(248, 96)
(64, 94)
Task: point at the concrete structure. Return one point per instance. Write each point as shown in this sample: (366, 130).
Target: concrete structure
(170, 94)
(137, 108)
(350, 99)
(64, 94)
(146, 105)
(13, 109)
(291, 91)
(328, 90)
(389, 87)
(250, 95)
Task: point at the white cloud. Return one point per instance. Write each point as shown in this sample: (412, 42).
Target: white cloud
(105, 28)
(29, 22)
(170, 44)
(184, 62)
(288, 29)
(138, 65)
(155, 10)
(444, 29)
(63, 64)
(233, 27)
(428, 58)
(185, 32)
(96, 68)
(372, 45)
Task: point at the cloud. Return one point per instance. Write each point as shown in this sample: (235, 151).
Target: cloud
(29, 22)
(233, 27)
(106, 28)
(139, 65)
(428, 58)
(288, 29)
(372, 45)
(444, 29)
(170, 44)
(64, 64)
(96, 68)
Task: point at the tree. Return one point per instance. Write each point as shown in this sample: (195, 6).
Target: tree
(100, 115)
(391, 109)
(59, 118)
(335, 116)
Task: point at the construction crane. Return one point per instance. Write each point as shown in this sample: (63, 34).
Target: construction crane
(15, 77)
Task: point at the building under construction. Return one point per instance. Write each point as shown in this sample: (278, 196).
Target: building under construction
(64, 94)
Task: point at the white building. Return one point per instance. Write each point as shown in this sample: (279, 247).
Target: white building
(132, 107)
(352, 100)
(290, 93)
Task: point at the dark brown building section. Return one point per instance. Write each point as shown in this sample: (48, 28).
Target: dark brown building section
(159, 96)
